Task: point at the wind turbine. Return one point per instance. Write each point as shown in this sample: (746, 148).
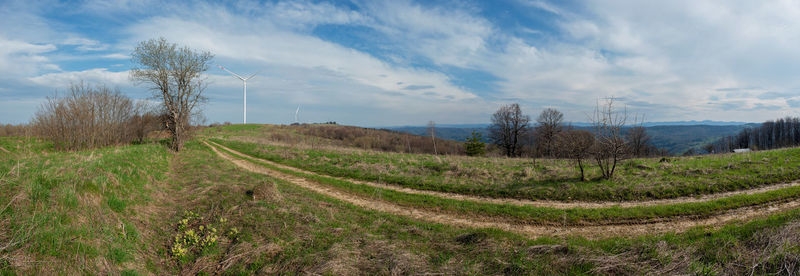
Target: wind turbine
(244, 81)
(295, 114)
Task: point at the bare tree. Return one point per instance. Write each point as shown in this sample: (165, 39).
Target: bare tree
(145, 119)
(638, 141)
(175, 77)
(432, 131)
(549, 124)
(575, 145)
(610, 146)
(508, 127)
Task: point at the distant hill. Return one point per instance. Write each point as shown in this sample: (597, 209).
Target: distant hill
(676, 138)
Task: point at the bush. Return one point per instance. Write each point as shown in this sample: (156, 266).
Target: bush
(474, 145)
(15, 130)
(89, 117)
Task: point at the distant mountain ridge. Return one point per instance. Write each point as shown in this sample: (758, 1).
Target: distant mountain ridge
(676, 137)
(665, 123)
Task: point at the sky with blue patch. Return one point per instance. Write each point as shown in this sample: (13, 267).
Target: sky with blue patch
(402, 62)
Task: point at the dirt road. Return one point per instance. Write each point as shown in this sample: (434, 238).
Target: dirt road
(678, 224)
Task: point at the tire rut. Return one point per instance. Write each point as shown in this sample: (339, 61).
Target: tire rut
(534, 203)
(532, 231)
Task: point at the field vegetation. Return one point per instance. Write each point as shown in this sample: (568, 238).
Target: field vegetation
(551, 179)
(137, 210)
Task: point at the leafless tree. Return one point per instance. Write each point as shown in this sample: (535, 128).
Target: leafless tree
(638, 141)
(508, 127)
(549, 124)
(610, 146)
(575, 145)
(175, 76)
(86, 117)
(432, 131)
(145, 119)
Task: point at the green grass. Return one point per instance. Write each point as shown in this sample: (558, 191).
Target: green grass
(496, 252)
(311, 233)
(74, 209)
(636, 179)
(545, 215)
(116, 210)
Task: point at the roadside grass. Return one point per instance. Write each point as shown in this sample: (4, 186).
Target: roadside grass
(549, 216)
(76, 212)
(311, 233)
(552, 179)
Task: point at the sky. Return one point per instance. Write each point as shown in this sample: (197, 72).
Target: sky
(399, 62)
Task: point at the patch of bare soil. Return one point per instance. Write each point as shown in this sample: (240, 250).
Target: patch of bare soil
(536, 203)
(590, 231)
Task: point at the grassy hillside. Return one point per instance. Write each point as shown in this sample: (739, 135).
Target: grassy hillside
(138, 210)
(78, 212)
(636, 179)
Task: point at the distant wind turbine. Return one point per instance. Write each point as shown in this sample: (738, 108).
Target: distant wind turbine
(244, 81)
(295, 114)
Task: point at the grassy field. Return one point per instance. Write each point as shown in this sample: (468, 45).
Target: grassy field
(138, 210)
(636, 179)
(78, 212)
(554, 216)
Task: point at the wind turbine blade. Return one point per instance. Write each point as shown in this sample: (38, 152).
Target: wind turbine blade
(254, 74)
(229, 71)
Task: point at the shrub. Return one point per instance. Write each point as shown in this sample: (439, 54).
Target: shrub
(89, 117)
(474, 145)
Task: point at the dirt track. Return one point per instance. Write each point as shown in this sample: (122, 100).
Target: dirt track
(678, 224)
(535, 203)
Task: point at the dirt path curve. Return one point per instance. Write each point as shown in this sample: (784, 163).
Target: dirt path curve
(533, 231)
(535, 203)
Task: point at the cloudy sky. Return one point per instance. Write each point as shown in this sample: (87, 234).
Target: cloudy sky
(383, 63)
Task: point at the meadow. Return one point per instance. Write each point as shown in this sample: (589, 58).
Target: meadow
(521, 178)
(143, 209)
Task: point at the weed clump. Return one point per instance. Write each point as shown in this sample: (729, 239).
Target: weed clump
(194, 237)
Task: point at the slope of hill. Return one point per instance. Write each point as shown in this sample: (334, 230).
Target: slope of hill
(260, 199)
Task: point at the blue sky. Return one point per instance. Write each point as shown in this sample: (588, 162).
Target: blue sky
(382, 63)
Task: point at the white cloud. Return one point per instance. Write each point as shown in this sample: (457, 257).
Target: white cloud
(267, 45)
(85, 44)
(19, 58)
(116, 56)
(97, 76)
(445, 35)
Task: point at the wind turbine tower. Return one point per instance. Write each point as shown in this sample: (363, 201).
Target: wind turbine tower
(244, 82)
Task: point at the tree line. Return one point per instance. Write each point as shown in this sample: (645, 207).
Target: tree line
(780, 133)
(610, 140)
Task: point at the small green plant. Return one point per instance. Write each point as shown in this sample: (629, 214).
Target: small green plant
(193, 237)
(474, 145)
